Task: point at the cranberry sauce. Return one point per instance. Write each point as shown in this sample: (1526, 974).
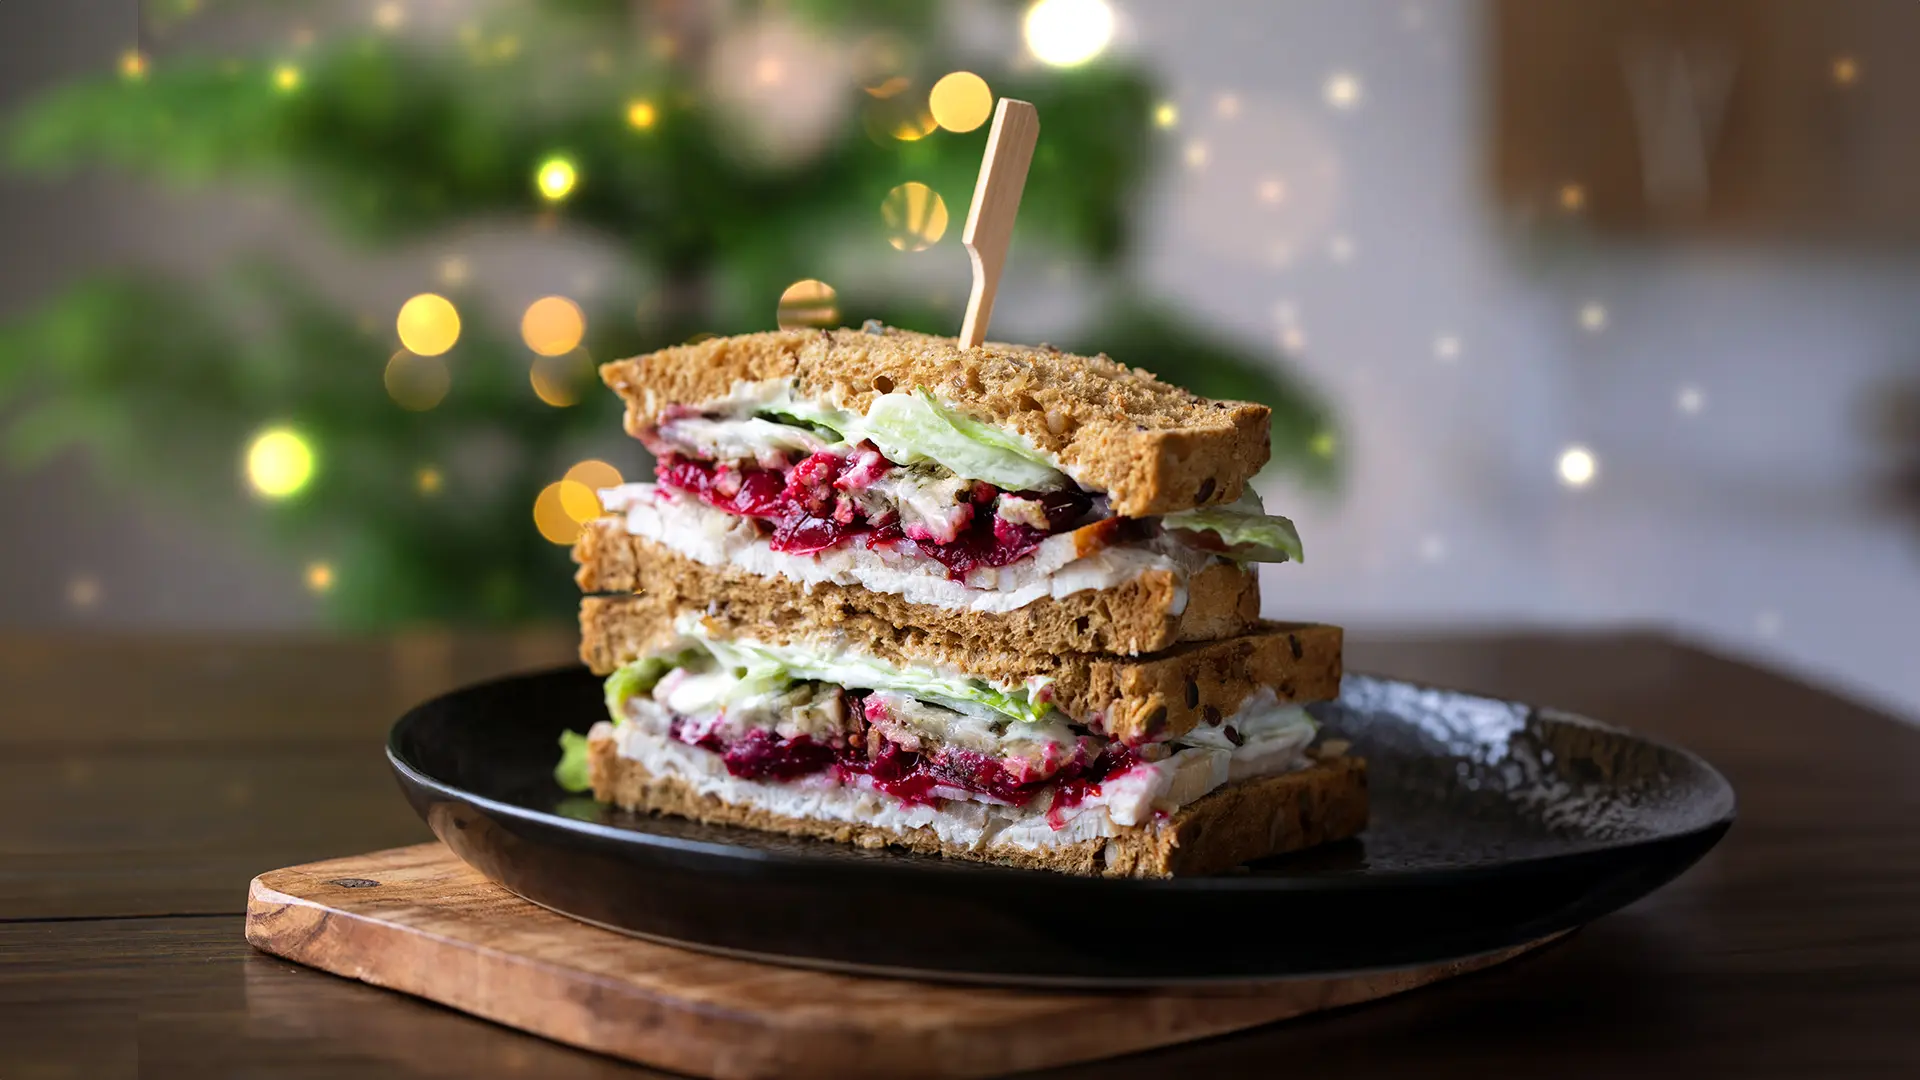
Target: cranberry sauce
(1074, 790)
(809, 507)
(907, 775)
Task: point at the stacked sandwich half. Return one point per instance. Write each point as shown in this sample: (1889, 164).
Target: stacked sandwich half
(996, 603)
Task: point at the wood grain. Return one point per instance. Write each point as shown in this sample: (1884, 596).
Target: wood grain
(418, 920)
(996, 203)
(1789, 952)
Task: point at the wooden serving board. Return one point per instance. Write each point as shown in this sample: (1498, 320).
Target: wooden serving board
(418, 920)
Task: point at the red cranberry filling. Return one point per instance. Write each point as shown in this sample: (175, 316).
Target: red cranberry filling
(808, 509)
(911, 777)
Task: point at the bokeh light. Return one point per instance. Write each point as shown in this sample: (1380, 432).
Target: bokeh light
(279, 462)
(133, 65)
(580, 502)
(417, 383)
(428, 481)
(1593, 318)
(1068, 32)
(1342, 90)
(555, 178)
(319, 577)
(83, 591)
(914, 126)
(1690, 400)
(1846, 71)
(454, 271)
(550, 513)
(916, 216)
(1446, 348)
(286, 78)
(1573, 198)
(1166, 114)
(1577, 467)
(389, 16)
(1322, 444)
(641, 114)
(595, 475)
(553, 326)
(561, 380)
(808, 304)
(960, 101)
(428, 324)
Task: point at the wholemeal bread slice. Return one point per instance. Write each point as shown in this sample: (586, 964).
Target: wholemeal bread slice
(1152, 447)
(1130, 698)
(1234, 824)
(1148, 614)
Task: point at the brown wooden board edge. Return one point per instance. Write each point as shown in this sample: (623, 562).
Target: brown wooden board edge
(993, 1031)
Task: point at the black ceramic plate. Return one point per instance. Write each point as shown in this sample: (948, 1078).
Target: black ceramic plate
(1493, 824)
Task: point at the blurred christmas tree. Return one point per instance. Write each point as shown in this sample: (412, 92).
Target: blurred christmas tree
(731, 150)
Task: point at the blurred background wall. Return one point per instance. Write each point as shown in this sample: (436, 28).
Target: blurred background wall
(1724, 389)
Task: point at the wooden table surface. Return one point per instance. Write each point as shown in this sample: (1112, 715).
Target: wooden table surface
(145, 780)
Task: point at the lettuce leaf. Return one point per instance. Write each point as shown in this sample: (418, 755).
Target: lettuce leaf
(571, 773)
(636, 678)
(1242, 531)
(763, 667)
(912, 429)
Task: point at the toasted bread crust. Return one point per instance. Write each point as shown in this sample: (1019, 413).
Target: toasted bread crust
(1222, 600)
(1134, 699)
(1232, 825)
(1153, 447)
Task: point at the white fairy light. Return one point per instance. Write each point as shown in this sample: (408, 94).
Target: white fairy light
(1577, 467)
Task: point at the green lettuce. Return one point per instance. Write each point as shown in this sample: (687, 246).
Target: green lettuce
(637, 678)
(571, 773)
(761, 668)
(1245, 531)
(911, 429)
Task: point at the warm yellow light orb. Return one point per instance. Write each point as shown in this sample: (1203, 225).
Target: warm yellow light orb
(428, 324)
(594, 475)
(1577, 467)
(1064, 33)
(1323, 444)
(916, 216)
(808, 304)
(558, 380)
(550, 513)
(1166, 114)
(1846, 70)
(279, 463)
(556, 178)
(286, 78)
(960, 101)
(428, 480)
(319, 577)
(133, 65)
(553, 326)
(641, 115)
(579, 502)
(416, 383)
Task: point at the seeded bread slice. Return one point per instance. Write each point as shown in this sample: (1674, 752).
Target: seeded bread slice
(1141, 616)
(1238, 823)
(1130, 698)
(1152, 447)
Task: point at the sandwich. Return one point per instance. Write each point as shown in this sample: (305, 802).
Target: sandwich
(997, 603)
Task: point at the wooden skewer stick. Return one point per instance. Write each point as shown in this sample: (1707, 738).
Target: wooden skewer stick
(996, 201)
